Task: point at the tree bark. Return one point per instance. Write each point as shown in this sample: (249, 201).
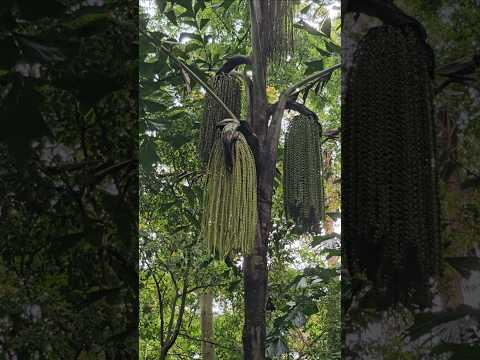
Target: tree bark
(255, 265)
(174, 330)
(206, 325)
(450, 286)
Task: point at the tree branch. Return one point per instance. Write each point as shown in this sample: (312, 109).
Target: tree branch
(259, 122)
(173, 336)
(386, 11)
(210, 342)
(234, 61)
(292, 105)
(332, 134)
(161, 311)
(205, 287)
(173, 307)
(276, 122)
(457, 72)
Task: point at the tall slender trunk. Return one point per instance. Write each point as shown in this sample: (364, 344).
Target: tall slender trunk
(255, 265)
(206, 325)
(451, 291)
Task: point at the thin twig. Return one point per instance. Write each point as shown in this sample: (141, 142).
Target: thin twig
(208, 341)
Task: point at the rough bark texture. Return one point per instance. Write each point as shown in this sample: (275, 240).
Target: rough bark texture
(450, 287)
(255, 265)
(206, 325)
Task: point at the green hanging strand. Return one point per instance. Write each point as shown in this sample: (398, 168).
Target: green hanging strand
(277, 29)
(390, 210)
(302, 173)
(230, 204)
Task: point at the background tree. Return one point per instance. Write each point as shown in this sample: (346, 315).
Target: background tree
(68, 154)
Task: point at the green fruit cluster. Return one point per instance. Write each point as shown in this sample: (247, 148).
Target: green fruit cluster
(302, 173)
(228, 88)
(230, 205)
(390, 208)
(277, 26)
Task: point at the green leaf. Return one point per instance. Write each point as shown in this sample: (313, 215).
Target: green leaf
(323, 52)
(88, 17)
(318, 239)
(187, 4)
(166, 206)
(277, 347)
(332, 47)
(234, 285)
(148, 154)
(198, 5)
(279, 322)
(203, 23)
(302, 283)
(158, 67)
(306, 9)
(187, 14)
(326, 27)
(310, 29)
(297, 318)
(39, 51)
(192, 23)
(192, 218)
(312, 66)
(227, 3)
(189, 35)
(309, 308)
(152, 106)
(161, 4)
(320, 272)
(172, 17)
(178, 140)
(192, 47)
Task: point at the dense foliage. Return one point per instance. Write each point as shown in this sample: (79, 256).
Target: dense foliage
(68, 110)
(302, 172)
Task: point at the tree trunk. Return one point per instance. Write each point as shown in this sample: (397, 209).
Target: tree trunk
(450, 287)
(255, 265)
(206, 325)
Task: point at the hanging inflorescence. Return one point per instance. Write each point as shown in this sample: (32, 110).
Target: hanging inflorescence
(277, 28)
(390, 211)
(302, 173)
(230, 204)
(228, 88)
